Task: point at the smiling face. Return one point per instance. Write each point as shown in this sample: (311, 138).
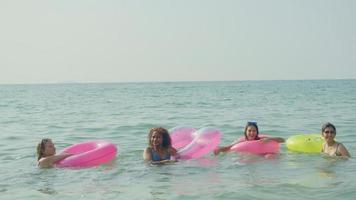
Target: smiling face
(251, 133)
(156, 139)
(329, 134)
(49, 149)
(159, 137)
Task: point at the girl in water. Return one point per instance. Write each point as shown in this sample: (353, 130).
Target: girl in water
(159, 148)
(251, 133)
(46, 153)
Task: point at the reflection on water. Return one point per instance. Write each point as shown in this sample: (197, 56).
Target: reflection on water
(44, 179)
(327, 167)
(321, 173)
(246, 158)
(326, 173)
(197, 183)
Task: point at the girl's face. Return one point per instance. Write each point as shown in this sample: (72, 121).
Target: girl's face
(49, 149)
(329, 134)
(251, 132)
(156, 139)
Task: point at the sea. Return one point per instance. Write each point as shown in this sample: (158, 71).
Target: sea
(123, 113)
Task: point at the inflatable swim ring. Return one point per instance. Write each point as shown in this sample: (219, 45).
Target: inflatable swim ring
(88, 154)
(204, 141)
(181, 136)
(306, 143)
(256, 146)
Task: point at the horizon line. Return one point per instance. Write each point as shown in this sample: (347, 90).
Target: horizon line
(178, 81)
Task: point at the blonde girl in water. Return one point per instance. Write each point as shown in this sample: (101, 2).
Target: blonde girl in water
(46, 154)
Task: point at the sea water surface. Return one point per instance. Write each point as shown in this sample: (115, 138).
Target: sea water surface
(124, 112)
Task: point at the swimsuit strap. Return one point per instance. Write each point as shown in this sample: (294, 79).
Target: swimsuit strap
(336, 150)
(323, 147)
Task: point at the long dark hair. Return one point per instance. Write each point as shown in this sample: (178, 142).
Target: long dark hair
(41, 148)
(166, 139)
(254, 124)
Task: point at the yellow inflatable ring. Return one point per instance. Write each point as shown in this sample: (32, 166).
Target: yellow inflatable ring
(306, 143)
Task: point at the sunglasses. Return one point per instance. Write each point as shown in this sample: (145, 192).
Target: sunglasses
(45, 141)
(252, 123)
(332, 132)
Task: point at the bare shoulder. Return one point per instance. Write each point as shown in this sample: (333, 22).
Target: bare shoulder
(147, 149)
(44, 163)
(343, 151)
(146, 153)
(341, 146)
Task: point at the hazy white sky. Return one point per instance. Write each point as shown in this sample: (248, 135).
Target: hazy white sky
(53, 41)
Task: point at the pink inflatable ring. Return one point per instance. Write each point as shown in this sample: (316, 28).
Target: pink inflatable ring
(192, 145)
(181, 136)
(256, 146)
(88, 154)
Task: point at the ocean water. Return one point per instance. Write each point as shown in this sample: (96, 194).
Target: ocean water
(124, 112)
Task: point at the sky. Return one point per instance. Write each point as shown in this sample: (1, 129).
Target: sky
(64, 41)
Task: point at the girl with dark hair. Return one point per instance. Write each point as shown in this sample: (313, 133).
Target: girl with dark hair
(331, 147)
(159, 146)
(251, 133)
(46, 154)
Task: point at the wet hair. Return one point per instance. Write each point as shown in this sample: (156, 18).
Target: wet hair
(166, 139)
(328, 125)
(41, 148)
(253, 124)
